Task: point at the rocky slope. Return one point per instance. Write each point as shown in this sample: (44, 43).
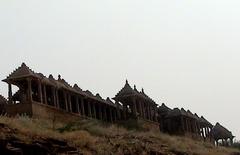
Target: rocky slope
(25, 136)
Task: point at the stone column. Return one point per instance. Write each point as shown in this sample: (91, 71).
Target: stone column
(142, 110)
(134, 107)
(65, 100)
(40, 92)
(149, 112)
(82, 106)
(139, 108)
(10, 93)
(100, 112)
(110, 114)
(54, 97)
(118, 110)
(89, 109)
(45, 94)
(29, 90)
(94, 110)
(115, 115)
(77, 105)
(70, 103)
(57, 98)
(155, 114)
(105, 113)
(124, 111)
(182, 125)
(231, 141)
(185, 125)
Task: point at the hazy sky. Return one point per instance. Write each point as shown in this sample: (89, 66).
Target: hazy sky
(183, 52)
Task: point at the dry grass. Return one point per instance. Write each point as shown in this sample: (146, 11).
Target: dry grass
(94, 138)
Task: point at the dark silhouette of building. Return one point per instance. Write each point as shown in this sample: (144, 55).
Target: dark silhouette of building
(47, 97)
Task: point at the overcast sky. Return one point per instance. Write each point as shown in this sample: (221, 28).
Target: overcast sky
(184, 53)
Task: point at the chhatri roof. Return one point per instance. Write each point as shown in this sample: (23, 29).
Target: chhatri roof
(206, 122)
(21, 72)
(220, 132)
(176, 112)
(192, 115)
(127, 91)
(164, 108)
(110, 102)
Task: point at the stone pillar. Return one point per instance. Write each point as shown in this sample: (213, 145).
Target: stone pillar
(65, 100)
(139, 108)
(155, 114)
(70, 103)
(105, 113)
(185, 126)
(110, 114)
(10, 93)
(149, 112)
(57, 98)
(77, 105)
(89, 109)
(54, 97)
(29, 90)
(142, 108)
(124, 111)
(202, 132)
(115, 115)
(118, 110)
(94, 110)
(231, 141)
(134, 110)
(82, 106)
(40, 92)
(45, 94)
(100, 111)
(182, 125)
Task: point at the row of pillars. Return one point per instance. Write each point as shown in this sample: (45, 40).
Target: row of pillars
(140, 109)
(225, 142)
(94, 109)
(191, 126)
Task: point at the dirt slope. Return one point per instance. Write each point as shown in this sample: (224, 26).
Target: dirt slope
(25, 136)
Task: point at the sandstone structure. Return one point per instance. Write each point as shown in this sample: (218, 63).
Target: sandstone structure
(47, 97)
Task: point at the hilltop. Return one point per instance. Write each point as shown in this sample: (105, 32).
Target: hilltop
(40, 137)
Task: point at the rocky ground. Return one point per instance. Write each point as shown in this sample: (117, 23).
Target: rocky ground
(25, 136)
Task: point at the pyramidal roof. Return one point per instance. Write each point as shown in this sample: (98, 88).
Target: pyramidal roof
(175, 112)
(219, 131)
(126, 90)
(110, 102)
(163, 107)
(22, 71)
(206, 121)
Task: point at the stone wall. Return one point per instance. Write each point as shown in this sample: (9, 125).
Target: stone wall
(48, 112)
(18, 109)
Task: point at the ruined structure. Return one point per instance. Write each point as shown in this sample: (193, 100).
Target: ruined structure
(47, 97)
(136, 104)
(220, 133)
(181, 122)
(39, 96)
